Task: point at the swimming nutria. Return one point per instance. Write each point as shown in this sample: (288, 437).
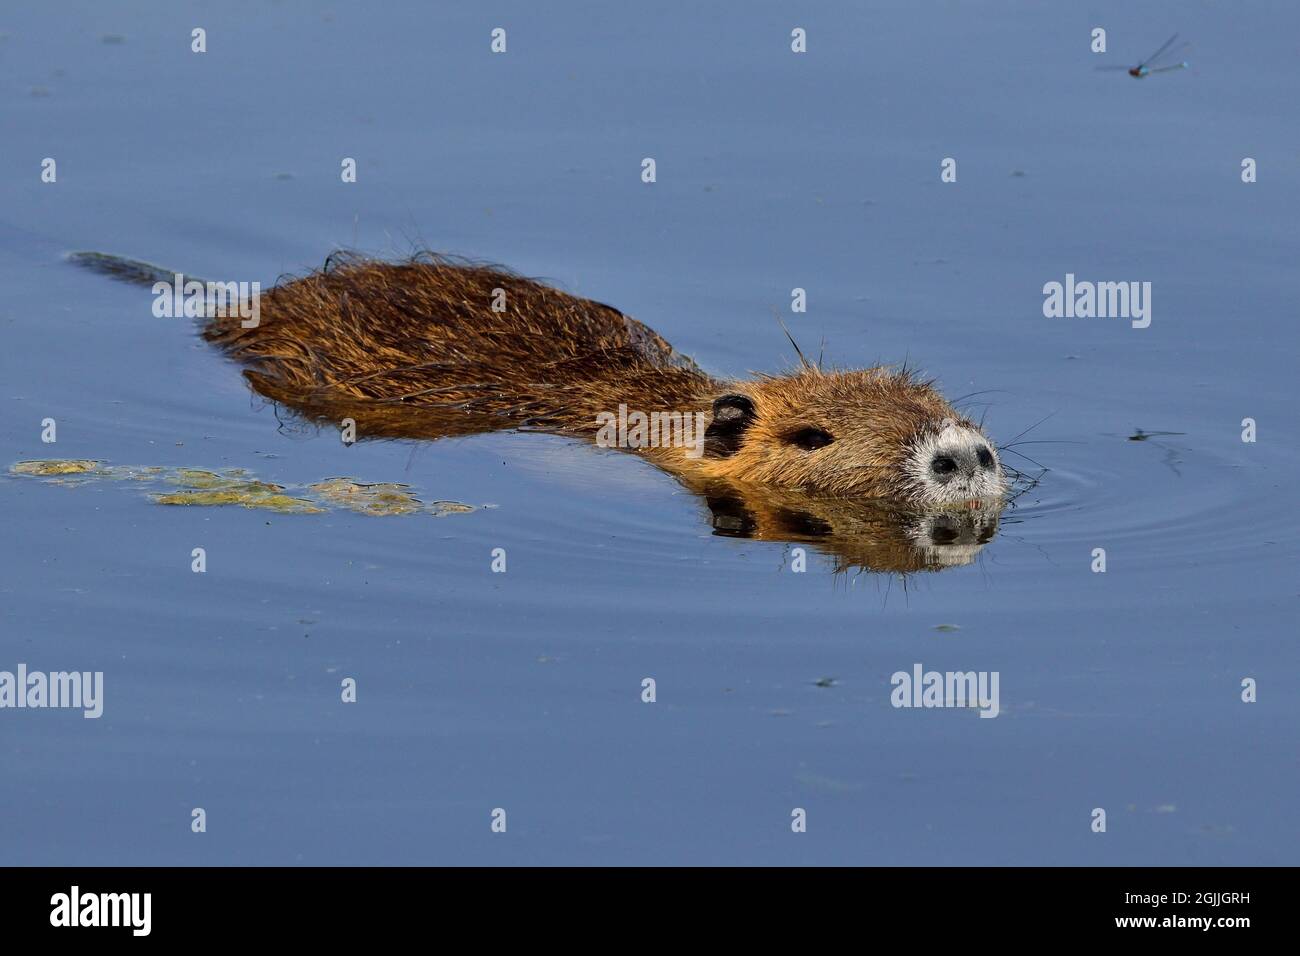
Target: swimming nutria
(415, 348)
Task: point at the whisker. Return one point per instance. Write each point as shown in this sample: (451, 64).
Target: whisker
(798, 351)
(1036, 464)
(1031, 428)
(983, 391)
(1031, 482)
(1045, 441)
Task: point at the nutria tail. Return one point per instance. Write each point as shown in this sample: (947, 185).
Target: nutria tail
(134, 271)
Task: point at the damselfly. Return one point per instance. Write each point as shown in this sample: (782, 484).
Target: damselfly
(1157, 62)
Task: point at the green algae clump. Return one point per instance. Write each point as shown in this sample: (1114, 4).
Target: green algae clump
(381, 498)
(235, 486)
(247, 497)
(55, 466)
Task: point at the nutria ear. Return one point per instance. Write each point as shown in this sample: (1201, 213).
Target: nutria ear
(732, 414)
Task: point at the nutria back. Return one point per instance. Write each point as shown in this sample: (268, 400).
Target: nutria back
(435, 333)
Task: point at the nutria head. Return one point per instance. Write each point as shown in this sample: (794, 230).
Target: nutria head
(875, 433)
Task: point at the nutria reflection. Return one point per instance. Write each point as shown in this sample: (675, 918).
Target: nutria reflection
(869, 535)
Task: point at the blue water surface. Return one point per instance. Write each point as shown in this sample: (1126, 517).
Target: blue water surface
(522, 691)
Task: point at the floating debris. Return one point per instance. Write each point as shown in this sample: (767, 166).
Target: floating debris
(235, 486)
(55, 466)
(77, 471)
(382, 498)
(1140, 435)
(232, 487)
(947, 627)
(250, 498)
(232, 478)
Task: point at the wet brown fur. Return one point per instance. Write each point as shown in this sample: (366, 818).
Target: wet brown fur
(414, 349)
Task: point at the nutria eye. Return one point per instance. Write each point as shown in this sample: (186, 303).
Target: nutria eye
(985, 458)
(810, 439)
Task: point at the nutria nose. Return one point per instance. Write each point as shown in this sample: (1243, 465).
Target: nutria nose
(943, 464)
(961, 462)
(950, 464)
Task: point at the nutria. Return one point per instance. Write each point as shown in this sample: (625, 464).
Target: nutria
(432, 346)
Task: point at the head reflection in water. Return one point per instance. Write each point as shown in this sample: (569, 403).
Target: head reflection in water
(881, 536)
